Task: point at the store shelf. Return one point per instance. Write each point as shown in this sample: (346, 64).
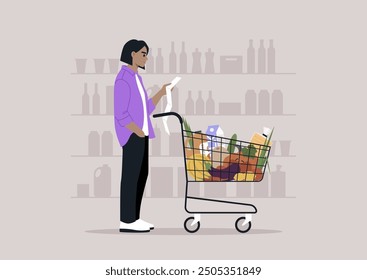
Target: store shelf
(87, 156)
(91, 115)
(215, 115)
(181, 198)
(192, 74)
(163, 156)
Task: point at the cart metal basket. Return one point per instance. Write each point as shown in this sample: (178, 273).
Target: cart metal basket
(213, 159)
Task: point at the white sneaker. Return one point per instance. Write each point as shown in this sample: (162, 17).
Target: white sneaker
(151, 226)
(137, 226)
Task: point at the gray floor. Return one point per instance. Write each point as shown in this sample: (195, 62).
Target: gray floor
(92, 233)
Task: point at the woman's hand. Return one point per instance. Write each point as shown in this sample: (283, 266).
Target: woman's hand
(134, 128)
(163, 91)
(140, 133)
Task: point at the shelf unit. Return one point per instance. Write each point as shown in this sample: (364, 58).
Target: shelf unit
(174, 159)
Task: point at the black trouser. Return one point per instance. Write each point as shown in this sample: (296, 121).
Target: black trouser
(133, 178)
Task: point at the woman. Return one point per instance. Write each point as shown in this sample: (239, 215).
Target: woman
(133, 128)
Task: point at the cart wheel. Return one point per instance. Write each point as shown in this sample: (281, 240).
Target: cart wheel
(189, 228)
(241, 228)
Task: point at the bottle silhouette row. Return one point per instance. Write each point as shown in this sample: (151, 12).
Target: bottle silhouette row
(228, 64)
(94, 101)
(179, 64)
(265, 62)
(102, 185)
(254, 104)
(265, 58)
(261, 101)
(199, 106)
(100, 145)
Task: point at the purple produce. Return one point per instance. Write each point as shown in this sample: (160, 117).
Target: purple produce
(227, 173)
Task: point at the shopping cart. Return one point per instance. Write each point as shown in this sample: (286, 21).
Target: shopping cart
(211, 158)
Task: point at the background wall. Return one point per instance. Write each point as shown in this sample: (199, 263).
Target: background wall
(322, 43)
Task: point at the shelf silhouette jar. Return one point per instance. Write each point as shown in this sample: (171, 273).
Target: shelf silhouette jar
(93, 144)
(196, 65)
(250, 102)
(209, 62)
(277, 102)
(264, 102)
(102, 181)
(107, 143)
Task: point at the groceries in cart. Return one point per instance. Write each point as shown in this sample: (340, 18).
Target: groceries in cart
(213, 157)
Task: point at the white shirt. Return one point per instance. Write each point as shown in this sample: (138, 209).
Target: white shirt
(142, 95)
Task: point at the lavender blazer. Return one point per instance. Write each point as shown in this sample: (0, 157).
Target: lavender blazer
(128, 105)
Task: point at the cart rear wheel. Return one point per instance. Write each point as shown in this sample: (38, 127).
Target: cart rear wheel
(189, 228)
(244, 228)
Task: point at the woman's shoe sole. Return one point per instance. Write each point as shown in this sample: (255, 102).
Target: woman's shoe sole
(132, 230)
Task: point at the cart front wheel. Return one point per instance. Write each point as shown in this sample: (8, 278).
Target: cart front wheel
(191, 228)
(242, 228)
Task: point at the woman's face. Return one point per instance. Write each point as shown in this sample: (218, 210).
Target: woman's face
(140, 58)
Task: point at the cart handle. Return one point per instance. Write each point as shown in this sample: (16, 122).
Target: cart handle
(168, 114)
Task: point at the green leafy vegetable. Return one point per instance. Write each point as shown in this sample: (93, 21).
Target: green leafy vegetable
(188, 133)
(249, 151)
(207, 165)
(232, 143)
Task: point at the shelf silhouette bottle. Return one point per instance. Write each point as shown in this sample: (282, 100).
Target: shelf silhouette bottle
(250, 102)
(150, 62)
(264, 102)
(159, 62)
(261, 58)
(278, 183)
(109, 100)
(271, 58)
(196, 64)
(172, 60)
(199, 105)
(175, 99)
(210, 104)
(96, 101)
(189, 105)
(277, 102)
(85, 101)
(209, 62)
(183, 60)
(251, 58)
(107, 143)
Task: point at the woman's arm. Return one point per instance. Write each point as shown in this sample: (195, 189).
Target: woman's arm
(157, 97)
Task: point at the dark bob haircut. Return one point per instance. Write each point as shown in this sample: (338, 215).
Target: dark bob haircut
(132, 46)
